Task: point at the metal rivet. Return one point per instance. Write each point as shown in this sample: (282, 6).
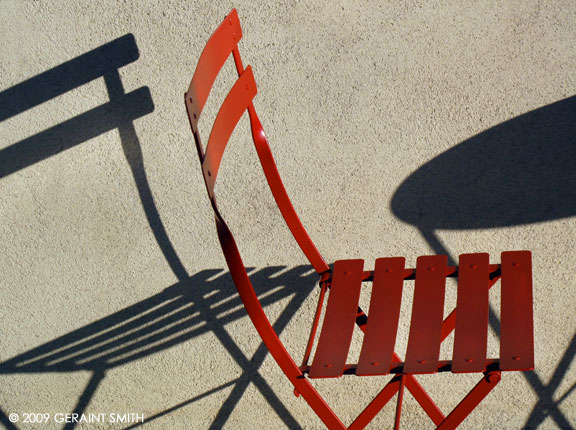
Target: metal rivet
(493, 378)
(328, 365)
(387, 270)
(473, 266)
(431, 269)
(374, 363)
(516, 358)
(209, 173)
(347, 272)
(468, 360)
(421, 361)
(515, 264)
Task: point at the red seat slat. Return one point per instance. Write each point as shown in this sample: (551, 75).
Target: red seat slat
(378, 347)
(517, 325)
(471, 335)
(427, 311)
(339, 320)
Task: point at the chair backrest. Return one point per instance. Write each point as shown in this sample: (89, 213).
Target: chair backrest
(222, 44)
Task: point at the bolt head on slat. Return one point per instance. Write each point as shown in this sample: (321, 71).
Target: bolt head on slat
(493, 377)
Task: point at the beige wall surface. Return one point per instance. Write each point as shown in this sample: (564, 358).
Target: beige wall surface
(401, 128)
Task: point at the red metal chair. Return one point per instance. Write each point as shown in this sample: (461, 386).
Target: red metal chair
(428, 329)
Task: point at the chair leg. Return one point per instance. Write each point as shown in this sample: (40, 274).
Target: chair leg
(424, 400)
(469, 403)
(308, 351)
(399, 404)
(451, 422)
(412, 384)
(376, 405)
(267, 332)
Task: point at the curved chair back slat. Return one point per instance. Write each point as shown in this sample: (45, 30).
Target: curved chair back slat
(222, 44)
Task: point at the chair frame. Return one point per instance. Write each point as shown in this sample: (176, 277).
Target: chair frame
(222, 44)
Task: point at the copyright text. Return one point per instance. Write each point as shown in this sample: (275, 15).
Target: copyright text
(112, 418)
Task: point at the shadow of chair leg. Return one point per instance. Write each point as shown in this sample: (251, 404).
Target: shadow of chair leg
(6, 421)
(133, 153)
(215, 324)
(546, 406)
(86, 396)
(250, 372)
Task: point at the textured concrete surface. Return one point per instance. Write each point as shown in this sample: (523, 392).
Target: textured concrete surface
(400, 128)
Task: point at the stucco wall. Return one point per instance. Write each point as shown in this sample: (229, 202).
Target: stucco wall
(400, 129)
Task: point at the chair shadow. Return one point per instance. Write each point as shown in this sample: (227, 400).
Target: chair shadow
(519, 172)
(206, 302)
(181, 311)
(103, 61)
(119, 113)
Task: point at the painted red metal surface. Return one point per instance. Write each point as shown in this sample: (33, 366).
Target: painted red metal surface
(471, 335)
(427, 328)
(378, 346)
(215, 53)
(218, 49)
(399, 403)
(517, 325)
(232, 109)
(336, 334)
(449, 323)
(417, 391)
(427, 315)
(310, 343)
(281, 196)
(469, 403)
(266, 331)
(376, 405)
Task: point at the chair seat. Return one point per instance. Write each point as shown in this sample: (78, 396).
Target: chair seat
(428, 328)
